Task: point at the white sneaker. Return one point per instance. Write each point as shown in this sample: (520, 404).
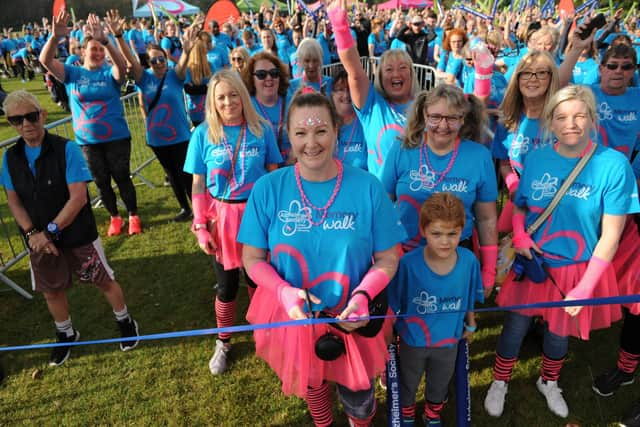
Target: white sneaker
(553, 394)
(494, 402)
(218, 362)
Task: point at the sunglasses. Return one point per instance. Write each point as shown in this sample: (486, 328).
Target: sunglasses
(615, 65)
(238, 59)
(158, 60)
(31, 117)
(262, 74)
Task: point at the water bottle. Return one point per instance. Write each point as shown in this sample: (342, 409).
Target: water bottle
(483, 64)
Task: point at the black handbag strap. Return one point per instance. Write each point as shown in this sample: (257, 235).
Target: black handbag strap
(158, 92)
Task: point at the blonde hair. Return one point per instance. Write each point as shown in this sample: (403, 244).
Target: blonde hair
(216, 130)
(394, 55)
(545, 31)
(197, 64)
(20, 97)
(309, 48)
(568, 93)
(512, 105)
(472, 109)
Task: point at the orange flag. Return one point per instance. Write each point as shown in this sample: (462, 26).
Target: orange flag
(57, 5)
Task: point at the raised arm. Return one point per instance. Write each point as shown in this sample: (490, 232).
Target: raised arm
(348, 52)
(115, 24)
(47, 56)
(572, 55)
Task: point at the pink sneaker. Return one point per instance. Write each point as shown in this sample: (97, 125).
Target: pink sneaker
(135, 226)
(115, 227)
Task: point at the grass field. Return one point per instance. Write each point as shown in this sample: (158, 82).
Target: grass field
(168, 284)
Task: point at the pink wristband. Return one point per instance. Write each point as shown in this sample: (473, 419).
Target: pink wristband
(590, 278)
(489, 258)
(200, 207)
(521, 239)
(512, 180)
(341, 31)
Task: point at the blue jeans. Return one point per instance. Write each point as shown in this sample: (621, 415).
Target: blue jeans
(515, 329)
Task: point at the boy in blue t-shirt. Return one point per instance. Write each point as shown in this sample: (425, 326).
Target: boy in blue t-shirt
(436, 286)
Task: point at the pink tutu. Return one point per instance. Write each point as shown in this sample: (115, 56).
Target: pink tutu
(290, 350)
(504, 220)
(228, 251)
(560, 323)
(626, 263)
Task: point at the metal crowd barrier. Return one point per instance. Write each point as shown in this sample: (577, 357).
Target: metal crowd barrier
(12, 246)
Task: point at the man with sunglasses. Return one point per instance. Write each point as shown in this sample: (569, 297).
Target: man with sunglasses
(46, 178)
(417, 39)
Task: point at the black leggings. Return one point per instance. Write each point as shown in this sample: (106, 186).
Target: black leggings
(107, 160)
(171, 157)
(228, 281)
(630, 336)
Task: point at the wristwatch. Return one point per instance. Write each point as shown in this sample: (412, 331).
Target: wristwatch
(53, 230)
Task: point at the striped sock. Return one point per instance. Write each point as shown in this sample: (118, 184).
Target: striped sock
(122, 314)
(551, 368)
(503, 367)
(408, 414)
(362, 422)
(432, 410)
(319, 405)
(628, 362)
(65, 327)
(225, 312)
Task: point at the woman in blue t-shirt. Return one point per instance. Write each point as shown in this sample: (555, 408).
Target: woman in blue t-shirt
(535, 80)
(451, 62)
(576, 242)
(267, 80)
(98, 115)
(351, 148)
(434, 156)
(161, 98)
(377, 40)
(331, 235)
(227, 153)
(196, 79)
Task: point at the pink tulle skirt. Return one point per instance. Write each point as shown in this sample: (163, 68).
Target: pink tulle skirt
(626, 263)
(290, 350)
(560, 323)
(228, 251)
(504, 220)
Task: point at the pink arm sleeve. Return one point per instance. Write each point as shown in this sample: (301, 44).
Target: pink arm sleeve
(590, 278)
(489, 258)
(263, 274)
(341, 30)
(521, 240)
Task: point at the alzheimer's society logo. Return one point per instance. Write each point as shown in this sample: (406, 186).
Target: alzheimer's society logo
(297, 218)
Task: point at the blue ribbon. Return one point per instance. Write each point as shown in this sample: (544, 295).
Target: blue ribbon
(625, 299)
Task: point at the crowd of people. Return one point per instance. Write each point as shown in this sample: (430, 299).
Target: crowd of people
(338, 196)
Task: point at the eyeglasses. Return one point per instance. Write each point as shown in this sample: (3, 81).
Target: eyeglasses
(435, 119)
(417, 24)
(158, 60)
(237, 59)
(468, 59)
(615, 65)
(31, 117)
(262, 74)
(539, 75)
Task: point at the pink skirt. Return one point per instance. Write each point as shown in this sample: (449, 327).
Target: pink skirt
(229, 217)
(560, 323)
(626, 263)
(504, 220)
(290, 350)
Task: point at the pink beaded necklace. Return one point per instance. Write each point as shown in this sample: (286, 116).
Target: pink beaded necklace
(277, 127)
(307, 203)
(241, 146)
(442, 175)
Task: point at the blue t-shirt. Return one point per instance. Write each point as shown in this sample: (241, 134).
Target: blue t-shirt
(167, 123)
(585, 72)
(276, 115)
(380, 45)
(214, 160)
(172, 45)
(436, 303)
(619, 119)
(76, 167)
(384, 122)
(73, 59)
(515, 146)
(397, 44)
(223, 41)
(606, 185)
(195, 103)
(351, 149)
(636, 167)
(414, 174)
(451, 65)
(218, 58)
(329, 259)
(136, 37)
(327, 55)
(324, 87)
(296, 68)
(94, 98)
